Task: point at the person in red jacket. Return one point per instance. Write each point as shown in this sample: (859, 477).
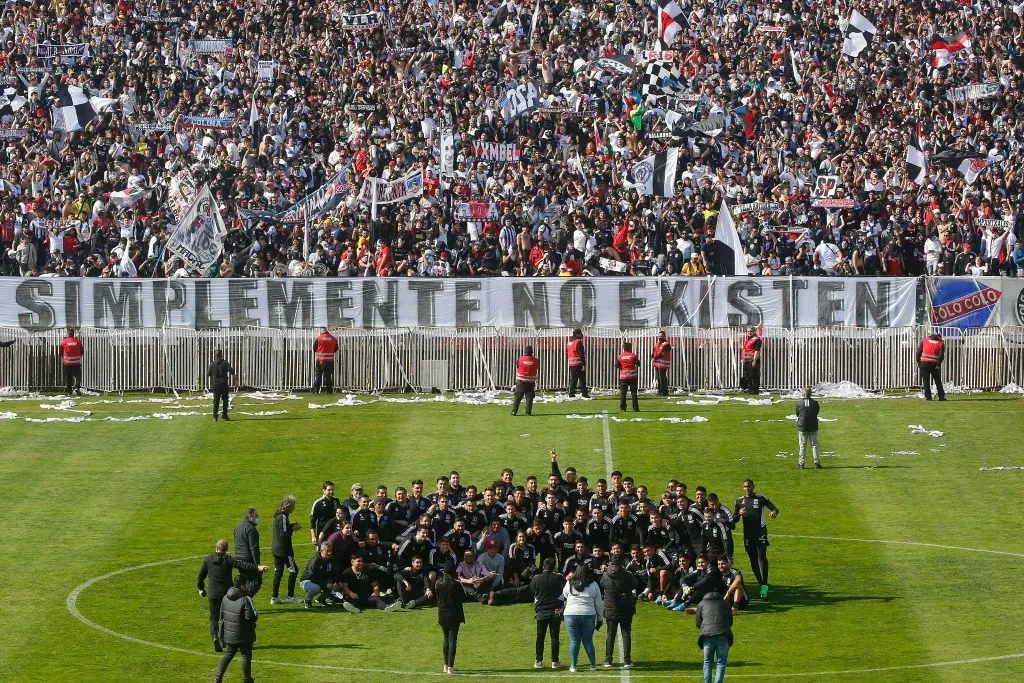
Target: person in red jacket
(324, 349)
(661, 359)
(930, 354)
(577, 355)
(71, 358)
(629, 372)
(527, 368)
(750, 357)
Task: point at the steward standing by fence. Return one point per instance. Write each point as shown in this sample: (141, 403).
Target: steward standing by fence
(577, 355)
(71, 352)
(750, 356)
(626, 362)
(662, 361)
(218, 373)
(527, 368)
(930, 354)
(324, 349)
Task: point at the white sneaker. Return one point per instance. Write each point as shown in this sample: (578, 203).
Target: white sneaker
(396, 605)
(291, 599)
(451, 670)
(338, 596)
(556, 665)
(572, 669)
(349, 607)
(275, 601)
(538, 664)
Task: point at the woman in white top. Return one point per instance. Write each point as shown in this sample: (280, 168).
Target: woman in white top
(583, 611)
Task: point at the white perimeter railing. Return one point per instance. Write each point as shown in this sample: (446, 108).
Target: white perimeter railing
(484, 358)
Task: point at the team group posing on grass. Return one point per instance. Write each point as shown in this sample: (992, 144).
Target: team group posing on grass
(513, 543)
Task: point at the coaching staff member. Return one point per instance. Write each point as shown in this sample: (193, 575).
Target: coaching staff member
(527, 368)
(218, 373)
(247, 546)
(238, 630)
(217, 567)
(324, 349)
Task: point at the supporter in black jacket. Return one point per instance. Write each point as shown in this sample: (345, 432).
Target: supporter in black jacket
(217, 567)
(547, 603)
(238, 630)
(247, 545)
(282, 550)
(619, 586)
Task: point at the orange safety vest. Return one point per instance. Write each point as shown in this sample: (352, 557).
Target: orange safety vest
(931, 349)
(575, 351)
(662, 356)
(749, 348)
(527, 368)
(627, 365)
(326, 347)
(71, 350)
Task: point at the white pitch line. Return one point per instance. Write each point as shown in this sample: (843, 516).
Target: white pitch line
(608, 467)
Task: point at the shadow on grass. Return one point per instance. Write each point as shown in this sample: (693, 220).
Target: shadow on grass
(345, 646)
(641, 665)
(785, 598)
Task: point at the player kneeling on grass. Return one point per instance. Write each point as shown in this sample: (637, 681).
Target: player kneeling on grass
(317, 578)
(413, 587)
(361, 591)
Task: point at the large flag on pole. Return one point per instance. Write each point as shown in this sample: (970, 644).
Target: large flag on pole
(917, 165)
(729, 258)
(656, 175)
(671, 20)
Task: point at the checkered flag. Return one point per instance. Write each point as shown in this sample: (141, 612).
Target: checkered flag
(76, 109)
(661, 81)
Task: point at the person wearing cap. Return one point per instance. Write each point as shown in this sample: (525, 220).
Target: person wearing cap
(527, 369)
(352, 502)
(219, 372)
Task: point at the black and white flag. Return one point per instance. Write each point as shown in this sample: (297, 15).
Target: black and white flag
(255, 123)
(712, 126)
(656, 174)
(792, 69)
(917, 165)
(623, 64)
(76, 109)
(447, 147)
(11, 101)
(360, 22)
(859, 32)
(519, 100)
(661, 80)
(969, 164)
(505, 13)
(729, 259)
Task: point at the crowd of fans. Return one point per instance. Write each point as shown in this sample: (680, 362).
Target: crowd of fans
(847, 117)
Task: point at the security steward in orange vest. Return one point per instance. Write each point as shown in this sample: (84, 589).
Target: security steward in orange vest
(662, 361)
(577, 364)
(527, 368)
(324, 349)
(930, 355)
(629, 373)
(71, 358)
(750, 356)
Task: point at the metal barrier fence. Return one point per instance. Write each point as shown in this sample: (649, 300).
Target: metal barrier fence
(484, 358)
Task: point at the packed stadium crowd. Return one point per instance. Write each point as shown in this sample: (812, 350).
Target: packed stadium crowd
(804, 117)
(508, 542)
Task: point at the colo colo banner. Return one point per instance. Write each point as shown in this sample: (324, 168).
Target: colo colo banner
(966, 302)
(623, 303)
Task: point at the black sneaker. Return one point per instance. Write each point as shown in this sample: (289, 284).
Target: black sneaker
(214, 418)
(817, 466)
(217, 647)
(227, 419)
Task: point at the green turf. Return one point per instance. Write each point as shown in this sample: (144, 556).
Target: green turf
(82, 500)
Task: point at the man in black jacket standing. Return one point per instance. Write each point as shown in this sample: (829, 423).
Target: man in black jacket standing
(218, 373)
(619, 587)
(238, 629)
(807, 428)
(217, 566)
(247, 546)
(547, 603)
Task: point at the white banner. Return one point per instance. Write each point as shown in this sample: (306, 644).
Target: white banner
(265, 71)
(616, 302)
(390, 192)
(199, 237)
(447, 147)
(182, 193)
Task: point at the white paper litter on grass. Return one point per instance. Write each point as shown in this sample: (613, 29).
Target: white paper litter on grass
(8, 416)
(700, 402)
(1012, 388)
(783, 454)
(347, 400)
(679, 420)
(171, 416)
(133, 418)
(80, 418)
(841, 390)
(1001, 468)
(920, 429)
(264, 413)
(904, 453)
(270, 396)
(872, 455)
(436, 398)
(577, 416)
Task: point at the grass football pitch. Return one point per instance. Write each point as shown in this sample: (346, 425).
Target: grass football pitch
(897, 562)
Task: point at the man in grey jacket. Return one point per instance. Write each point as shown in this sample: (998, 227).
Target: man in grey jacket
(238, 630)
(807, 428)
(714, 619)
